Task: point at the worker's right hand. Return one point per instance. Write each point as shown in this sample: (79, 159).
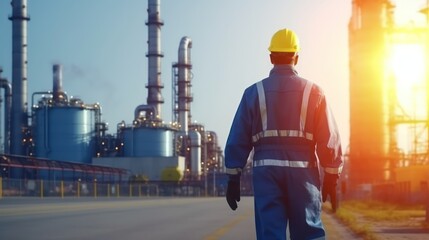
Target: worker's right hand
(233, 191)
(330, 189)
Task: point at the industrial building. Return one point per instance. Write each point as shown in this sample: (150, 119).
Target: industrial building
(388, 153)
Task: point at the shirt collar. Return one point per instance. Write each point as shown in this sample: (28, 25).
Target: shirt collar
(283, 68)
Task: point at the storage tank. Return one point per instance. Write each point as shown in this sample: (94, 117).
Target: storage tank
(64, 129)
(148, 141)
(64, 133)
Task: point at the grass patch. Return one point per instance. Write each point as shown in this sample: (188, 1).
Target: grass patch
(378, 211)
(360, 216)
(349, 218)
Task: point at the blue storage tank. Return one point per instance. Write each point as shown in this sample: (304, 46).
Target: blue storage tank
(148, 142)
(65, 133)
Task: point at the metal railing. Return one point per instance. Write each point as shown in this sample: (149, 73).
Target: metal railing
(44, 188)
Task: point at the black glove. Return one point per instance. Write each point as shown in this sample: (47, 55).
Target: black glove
(233, 191)
(330, 189)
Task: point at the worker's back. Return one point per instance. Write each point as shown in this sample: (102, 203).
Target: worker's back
(289, 126)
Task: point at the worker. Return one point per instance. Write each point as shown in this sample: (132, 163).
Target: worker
(284, 124)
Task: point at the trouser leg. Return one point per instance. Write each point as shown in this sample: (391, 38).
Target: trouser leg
(304, 204)
(270, 207)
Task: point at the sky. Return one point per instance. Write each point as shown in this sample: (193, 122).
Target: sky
(102, 45)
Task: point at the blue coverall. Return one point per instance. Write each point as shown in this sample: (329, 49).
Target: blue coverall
(284, 119)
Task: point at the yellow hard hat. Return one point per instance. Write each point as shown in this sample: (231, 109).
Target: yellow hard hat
(284, 40)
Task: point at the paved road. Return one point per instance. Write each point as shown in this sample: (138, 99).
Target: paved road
(139, 218)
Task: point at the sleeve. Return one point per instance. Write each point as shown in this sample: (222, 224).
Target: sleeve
(328, 142)
(239, 142)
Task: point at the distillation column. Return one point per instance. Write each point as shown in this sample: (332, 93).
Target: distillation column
(19, 118)
(154, 56)
(184, 83)
(4, 83)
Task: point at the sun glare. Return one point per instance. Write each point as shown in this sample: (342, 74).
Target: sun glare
(407, 63)
(407, 12)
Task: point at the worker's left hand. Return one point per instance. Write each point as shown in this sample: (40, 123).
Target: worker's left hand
(330, 189)
(233, 191)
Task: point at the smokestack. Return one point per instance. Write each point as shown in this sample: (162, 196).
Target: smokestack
(19, 120)
(58, 93)
(184, 83)
(154, 56)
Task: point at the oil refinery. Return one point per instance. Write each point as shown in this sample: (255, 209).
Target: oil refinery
(62, 138)
(57, 137)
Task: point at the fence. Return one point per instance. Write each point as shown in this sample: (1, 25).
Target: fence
(44, 188)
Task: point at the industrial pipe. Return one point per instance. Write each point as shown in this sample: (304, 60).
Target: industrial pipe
(148, 109)
(184, 83)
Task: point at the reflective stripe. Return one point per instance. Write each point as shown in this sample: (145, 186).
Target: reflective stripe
(283, 133)
(283, 163)
(233, 171)
(251, 155)
(304, 105)
(262, 104)
(334, 139)
(337, 170)
(319, 238)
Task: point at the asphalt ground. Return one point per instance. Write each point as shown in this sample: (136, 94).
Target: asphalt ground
(135, 218)
(158, 218)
